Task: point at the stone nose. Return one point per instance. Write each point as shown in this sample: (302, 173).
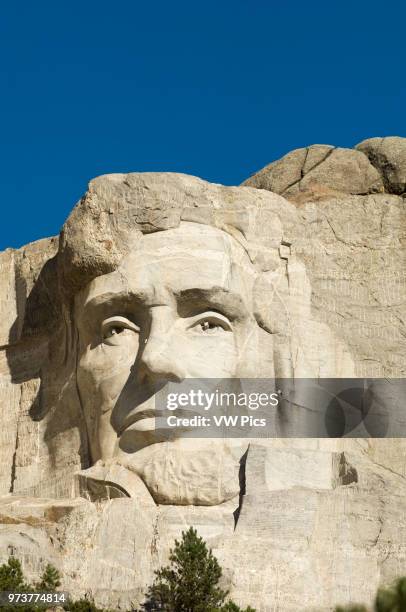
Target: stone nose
(162, 356)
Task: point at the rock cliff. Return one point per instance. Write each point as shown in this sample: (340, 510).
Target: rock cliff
(320, 236)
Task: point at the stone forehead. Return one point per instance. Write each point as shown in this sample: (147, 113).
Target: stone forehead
(191, 256)
(188, 239)
(118, 208)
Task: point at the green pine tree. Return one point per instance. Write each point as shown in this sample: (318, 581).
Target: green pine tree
(12, 579)
(50, 579)
(82, 605)
(393, 598)
(11, 576)
(232, 607)
(190, 582)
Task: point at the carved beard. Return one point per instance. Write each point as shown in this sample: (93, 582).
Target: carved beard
(206, 475)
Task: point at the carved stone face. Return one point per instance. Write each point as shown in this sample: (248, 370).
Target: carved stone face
(179, 306)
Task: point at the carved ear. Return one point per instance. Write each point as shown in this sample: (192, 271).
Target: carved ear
(271, 301)
(303, 345)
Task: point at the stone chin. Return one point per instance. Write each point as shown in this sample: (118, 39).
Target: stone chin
(201, 473)
(181, 472)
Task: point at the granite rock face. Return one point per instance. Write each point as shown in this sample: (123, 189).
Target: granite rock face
(298, 273)
(343, 170)
(388, 156)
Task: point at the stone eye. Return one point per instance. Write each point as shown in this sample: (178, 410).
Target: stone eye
(209, 325)
(113, 331)
(213, 323)
(115, 326)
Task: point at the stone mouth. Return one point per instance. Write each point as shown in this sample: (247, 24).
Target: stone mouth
(138, 416)
(135, 405)
(149, 413)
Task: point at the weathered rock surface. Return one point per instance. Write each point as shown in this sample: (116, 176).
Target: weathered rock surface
(388, 156)
(338, 169)
(296, 544)
(317, 272)
(353, 247)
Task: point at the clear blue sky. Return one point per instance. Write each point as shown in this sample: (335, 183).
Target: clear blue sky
(214, 89)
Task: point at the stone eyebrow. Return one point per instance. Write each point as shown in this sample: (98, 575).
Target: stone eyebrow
(190, 301)
(110, 298)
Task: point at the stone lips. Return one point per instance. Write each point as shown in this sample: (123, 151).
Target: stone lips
(314, 517)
